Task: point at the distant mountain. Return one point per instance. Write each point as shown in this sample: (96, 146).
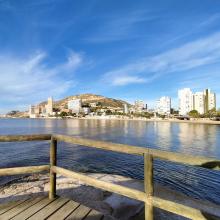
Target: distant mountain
(91, 98)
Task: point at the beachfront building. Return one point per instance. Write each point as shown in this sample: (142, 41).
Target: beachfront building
(199, 102)
(185, 97)
(86, 110)
(210, 100)
(49, 106)
(163, 105)
(75, 105)
(139, 106)
(41, 110)
(34, 111)
(125, 108)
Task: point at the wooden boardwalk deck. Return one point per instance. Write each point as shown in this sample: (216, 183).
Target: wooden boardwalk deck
(44, 208)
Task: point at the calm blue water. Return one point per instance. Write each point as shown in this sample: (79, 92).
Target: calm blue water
(193, 139)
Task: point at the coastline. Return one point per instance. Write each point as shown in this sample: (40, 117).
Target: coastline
(192, 121)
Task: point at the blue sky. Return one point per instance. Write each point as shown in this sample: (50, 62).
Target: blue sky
(122, 49)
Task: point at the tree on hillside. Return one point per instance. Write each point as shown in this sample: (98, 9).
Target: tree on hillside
(99, 104)
(108, 112)
(194, 114)
(86, 105)
(211, 113)
(63, 114)
(13, 112)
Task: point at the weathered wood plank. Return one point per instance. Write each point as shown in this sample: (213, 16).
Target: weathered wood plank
(33, 209)
(135, 150)
(32, 137)
(94, 215)
(122, 190)
(19, 208)
(49, 209)
(23, 170)
(53, 162)
(64, 211)
(79, 213)
(7, 206)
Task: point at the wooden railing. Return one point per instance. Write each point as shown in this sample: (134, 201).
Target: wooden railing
(149, 155)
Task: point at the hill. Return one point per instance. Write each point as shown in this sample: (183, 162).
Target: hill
(90, 99)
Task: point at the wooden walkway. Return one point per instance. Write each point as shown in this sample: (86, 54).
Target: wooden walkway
(44, 208)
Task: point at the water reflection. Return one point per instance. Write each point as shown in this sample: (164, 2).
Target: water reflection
(163, 135)
(195, 139)
(198, 138)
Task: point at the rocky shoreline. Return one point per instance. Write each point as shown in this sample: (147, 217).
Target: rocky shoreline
(112, 205)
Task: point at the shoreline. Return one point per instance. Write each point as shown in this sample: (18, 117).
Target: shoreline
(193, 121)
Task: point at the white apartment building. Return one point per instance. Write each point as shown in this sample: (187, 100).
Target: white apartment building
(49, 106)
(139, 106)
(75, 105)
(32, 113)
(210, 100)
(185, 97)
(199, 102)
(125, 108)
(163, 105)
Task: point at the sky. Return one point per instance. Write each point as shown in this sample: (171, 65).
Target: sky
(122, 49)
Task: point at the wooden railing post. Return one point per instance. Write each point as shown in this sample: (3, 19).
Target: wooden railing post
(53, 162)
(148, 185)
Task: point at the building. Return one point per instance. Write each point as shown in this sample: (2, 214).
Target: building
(199, 102)
(49, 106)
(163, 105)
(210, 100)
(138, 106)
(75, 105)
(185, 97)
(93, 104)
(34, 111)
(86, 110)
(125, 108)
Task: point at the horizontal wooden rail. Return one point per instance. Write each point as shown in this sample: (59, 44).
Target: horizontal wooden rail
(32, 137)
(23, 170)
(122, 190)
(135, 150)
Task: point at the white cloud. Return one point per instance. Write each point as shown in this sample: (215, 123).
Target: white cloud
(74, 60)
(211, 20)
(191, 55)
(30, 80)
(124, 80)
(119, 27)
